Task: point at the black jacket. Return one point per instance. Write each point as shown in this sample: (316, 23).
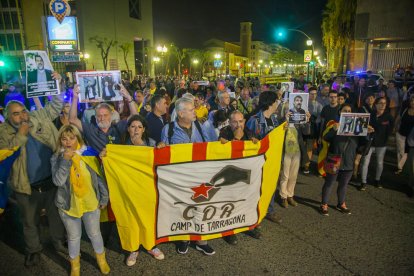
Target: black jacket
(346, 146)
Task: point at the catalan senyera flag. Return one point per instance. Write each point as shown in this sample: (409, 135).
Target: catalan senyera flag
(324, 152)
(7, 158)
(197, 191)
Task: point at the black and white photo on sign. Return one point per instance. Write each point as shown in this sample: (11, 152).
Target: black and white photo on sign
(39, 81)
(286, 88)
(298, 106)
(99, 86)
(353, 124)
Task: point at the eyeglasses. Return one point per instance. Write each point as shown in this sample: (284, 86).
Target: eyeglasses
(381, 103)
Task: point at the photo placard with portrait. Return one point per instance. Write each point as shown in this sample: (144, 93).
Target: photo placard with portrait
(39, 81)
(99, 86)
(298, 106)
(353, 124)
(286, 88)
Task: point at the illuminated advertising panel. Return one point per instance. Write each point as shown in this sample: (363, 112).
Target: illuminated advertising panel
(62, 36)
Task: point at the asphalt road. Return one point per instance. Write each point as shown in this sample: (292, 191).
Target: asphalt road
(376, 239)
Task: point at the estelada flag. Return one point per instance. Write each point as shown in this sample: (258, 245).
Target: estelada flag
(324, 151)
(7, 158)
(91, 157)
(197, 191)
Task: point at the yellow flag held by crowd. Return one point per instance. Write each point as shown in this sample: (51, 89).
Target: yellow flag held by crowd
(197, 191)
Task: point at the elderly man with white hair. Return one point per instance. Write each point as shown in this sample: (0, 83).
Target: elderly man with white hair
(186, 129)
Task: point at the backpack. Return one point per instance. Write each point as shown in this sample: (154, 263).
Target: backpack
(171, 131)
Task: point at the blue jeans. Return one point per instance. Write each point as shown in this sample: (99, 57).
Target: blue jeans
(380, 153)
(74, 230)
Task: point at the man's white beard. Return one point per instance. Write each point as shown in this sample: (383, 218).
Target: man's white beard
(103, 125)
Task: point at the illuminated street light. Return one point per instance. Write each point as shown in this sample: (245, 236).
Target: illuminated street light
(86, 55)
(271, 62)
(249, 64)
(156, 59)
(217, 56)
(315, 53)
(162, 49)
(261, 61)
(237, 64)
(309, 42)
(195, 61)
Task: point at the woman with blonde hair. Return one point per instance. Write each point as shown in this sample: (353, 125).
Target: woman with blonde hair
(81, 195)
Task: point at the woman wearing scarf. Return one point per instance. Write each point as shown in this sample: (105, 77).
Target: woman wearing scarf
(80, 197)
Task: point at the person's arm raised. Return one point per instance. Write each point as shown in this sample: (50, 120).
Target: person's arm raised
(128, 97)
(73, 112)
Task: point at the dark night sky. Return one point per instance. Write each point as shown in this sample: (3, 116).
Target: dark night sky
(189, 23)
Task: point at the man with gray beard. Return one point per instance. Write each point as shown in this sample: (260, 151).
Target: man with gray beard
(31, 181)
(103, 133)
(98, 136)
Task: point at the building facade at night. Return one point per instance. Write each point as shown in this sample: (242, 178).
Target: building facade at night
(23, 26)
(384, 36)
(244, 56)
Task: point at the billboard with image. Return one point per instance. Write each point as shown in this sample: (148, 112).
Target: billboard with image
(63, 36)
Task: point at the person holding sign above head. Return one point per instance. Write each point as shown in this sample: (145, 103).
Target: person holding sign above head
(40, 75)
(31, 179)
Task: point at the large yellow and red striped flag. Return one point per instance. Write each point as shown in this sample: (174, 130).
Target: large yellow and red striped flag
(197, 191)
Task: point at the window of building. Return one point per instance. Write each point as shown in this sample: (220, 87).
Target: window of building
(14, 20)
(3, 41)
(18, 40)
(4, 3)
(7, 21)
(135, 9)
(10, 42)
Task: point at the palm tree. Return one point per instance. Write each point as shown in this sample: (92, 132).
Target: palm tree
(179, 55)
(338, 26)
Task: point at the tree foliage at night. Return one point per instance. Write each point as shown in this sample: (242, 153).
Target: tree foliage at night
(338, 26)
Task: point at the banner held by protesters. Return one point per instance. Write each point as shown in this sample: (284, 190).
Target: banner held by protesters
(197, 191)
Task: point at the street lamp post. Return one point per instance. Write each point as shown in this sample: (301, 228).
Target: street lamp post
(309, 42)
(156, 60)
(195, 61)
(217, 58)
(162, 50)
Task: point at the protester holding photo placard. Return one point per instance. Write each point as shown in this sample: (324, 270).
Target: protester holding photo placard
(339, 163)
(39, 75)
(31, 179)
(298, 106)
(293, 152)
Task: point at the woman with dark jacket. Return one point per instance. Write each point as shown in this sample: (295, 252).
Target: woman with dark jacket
(383, 124)
(341, 154)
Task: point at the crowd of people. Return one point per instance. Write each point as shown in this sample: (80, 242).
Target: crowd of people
(155, 112)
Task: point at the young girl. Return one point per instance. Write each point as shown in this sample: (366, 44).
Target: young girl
(80, 197)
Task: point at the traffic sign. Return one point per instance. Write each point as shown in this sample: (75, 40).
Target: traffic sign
(307, 55)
